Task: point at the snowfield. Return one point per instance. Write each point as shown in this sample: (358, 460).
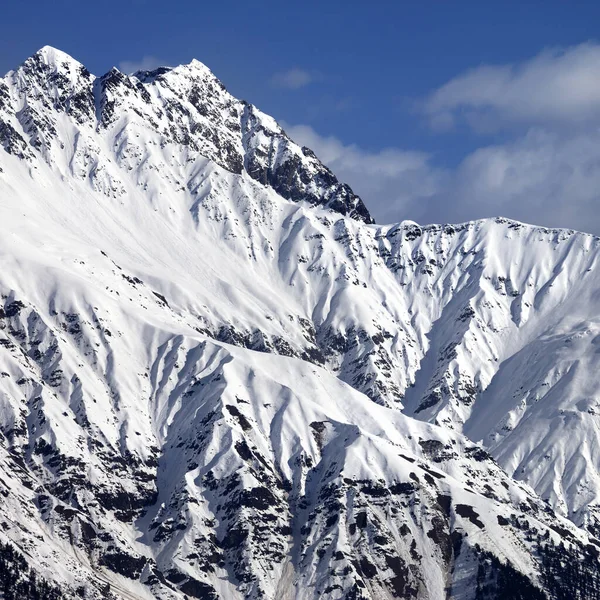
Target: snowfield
(220, 379)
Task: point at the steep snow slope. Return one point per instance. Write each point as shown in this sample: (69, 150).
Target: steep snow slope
(191, 465)
(151, 224)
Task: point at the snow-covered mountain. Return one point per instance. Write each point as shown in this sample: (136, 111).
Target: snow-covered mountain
(220, 379)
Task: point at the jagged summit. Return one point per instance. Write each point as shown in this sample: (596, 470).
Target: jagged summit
(53, 56)
(186, 105)
(218, 379)
(194, 68)
(149, 75)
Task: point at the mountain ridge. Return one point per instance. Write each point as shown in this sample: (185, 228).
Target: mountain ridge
(89, 99)
(155, 442)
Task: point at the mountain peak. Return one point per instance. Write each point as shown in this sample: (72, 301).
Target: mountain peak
(187, 106)
(196, 64)
(195, 70)
(53, 57)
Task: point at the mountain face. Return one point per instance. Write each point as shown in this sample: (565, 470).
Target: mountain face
(220, 379)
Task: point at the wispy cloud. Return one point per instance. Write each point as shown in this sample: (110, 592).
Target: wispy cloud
(392, 181)
(546, 170)
(555, 87)
(147, 63)
(292, 79)
(541, 177)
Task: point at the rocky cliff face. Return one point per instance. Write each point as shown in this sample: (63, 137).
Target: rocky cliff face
(220, 379)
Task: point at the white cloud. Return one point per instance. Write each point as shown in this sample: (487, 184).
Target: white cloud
(547, 173)
(147, 63)
(542, 177)
(555, 87)
(391, 181)
(292, 79)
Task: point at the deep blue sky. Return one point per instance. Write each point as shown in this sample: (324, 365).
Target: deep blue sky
(370, 63)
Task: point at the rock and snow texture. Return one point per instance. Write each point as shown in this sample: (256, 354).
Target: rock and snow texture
(220, 379)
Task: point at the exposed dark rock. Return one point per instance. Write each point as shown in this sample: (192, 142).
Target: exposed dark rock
(468, 512)
(198, 589)
(123, 563)
(13, 308)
